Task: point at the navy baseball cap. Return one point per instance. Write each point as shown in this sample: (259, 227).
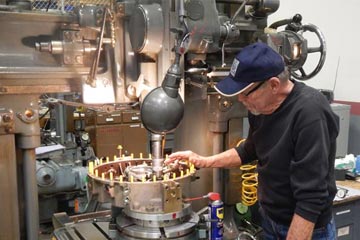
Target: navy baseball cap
(255, 63)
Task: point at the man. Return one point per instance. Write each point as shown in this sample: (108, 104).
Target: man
(292, 135)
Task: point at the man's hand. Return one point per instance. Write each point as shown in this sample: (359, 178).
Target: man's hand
(229, 158)
(197, 160)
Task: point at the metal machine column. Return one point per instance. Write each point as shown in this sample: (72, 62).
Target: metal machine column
(9, 227)
(20, 118)
(31, 194)
(27, 125)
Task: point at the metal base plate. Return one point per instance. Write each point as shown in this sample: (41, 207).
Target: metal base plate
(186, 230)
(98, 229)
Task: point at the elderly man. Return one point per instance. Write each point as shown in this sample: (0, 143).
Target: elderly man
(292, 135)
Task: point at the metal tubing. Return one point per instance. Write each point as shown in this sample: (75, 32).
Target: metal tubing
(157, 149)
(181, 11)
(237, 12)
(156, 146)
(60, 120)
(218, 143)
(7, 7)
(94, 67)
(31, 195)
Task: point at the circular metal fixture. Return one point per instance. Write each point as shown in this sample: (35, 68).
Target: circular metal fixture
(146, 28)
(302, 75)
(45, 176)
(181, 230)
(195, 9)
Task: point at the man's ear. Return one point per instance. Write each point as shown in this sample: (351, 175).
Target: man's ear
(274, 84)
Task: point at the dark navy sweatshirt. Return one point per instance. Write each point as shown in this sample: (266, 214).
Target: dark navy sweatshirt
(295, 147)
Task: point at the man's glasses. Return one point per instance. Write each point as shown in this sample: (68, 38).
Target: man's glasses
(254, 89)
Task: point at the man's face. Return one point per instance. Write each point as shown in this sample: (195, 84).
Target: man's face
(255, 98)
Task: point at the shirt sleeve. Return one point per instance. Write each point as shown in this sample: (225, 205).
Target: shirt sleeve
(246, 150)
(309, 169)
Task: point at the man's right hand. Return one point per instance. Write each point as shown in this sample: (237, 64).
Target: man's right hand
(197, 160)
(229, 158)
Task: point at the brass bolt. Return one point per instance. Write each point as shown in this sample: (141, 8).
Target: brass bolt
(29, 113)
(6, 118)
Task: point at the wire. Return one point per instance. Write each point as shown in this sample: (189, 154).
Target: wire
(240, 142)
(48, 5)
(336, 74)
(238, 11)
(42, 116)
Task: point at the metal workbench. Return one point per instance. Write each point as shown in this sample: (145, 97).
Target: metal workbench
(347, 211)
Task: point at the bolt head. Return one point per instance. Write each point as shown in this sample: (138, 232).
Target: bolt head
(6, 118)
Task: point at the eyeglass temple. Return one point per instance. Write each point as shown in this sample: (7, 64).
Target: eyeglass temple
(255, 88)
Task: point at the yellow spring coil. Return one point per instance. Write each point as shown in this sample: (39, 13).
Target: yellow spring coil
(249, 185)
(249, 182)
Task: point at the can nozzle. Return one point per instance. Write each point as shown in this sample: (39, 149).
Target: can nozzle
(213, 196)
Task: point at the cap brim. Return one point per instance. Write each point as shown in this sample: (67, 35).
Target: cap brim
(229, 88)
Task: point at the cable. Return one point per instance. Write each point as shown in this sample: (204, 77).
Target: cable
(238, 11)
(42, 116)
(336, 74)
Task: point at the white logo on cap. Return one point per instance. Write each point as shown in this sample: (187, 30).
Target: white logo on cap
(234, 67)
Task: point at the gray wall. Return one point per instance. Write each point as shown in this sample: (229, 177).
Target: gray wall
(340, 72)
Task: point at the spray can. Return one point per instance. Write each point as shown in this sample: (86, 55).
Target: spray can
(216, 212)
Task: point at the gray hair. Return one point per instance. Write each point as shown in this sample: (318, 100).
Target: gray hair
(284, 75)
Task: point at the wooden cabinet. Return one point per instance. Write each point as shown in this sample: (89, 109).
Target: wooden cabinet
(107, 131)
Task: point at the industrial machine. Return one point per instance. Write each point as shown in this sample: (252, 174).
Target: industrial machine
(61, 163)
(158, 57)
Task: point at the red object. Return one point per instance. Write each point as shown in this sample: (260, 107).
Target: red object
(213, 196)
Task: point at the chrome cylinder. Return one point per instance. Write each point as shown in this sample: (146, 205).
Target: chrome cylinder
(158, 153)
